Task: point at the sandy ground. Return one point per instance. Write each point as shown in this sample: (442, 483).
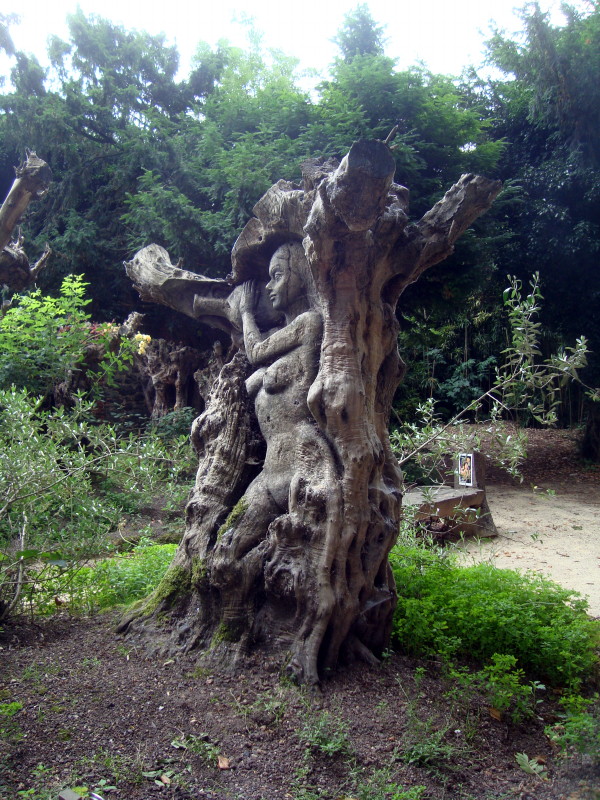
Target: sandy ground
(557, 536)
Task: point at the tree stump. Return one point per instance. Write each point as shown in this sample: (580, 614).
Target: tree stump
(290, 555)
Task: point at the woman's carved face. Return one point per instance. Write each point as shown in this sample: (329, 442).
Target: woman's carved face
(286, 284)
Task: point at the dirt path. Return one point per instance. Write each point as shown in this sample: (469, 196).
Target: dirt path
(556, 536)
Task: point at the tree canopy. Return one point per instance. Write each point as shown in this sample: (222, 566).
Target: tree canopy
(547, 110)
(140, 154)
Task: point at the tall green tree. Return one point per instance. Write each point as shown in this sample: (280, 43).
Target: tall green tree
(547, 108)
(360, 35)
(139, 155)
(244, 136)
(97, 117)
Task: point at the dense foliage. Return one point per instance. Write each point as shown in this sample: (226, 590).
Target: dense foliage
(108, 583)
(140, 154)
(68, 484)
(67, 481)
(546, 108)
(479, 611)
(45, 340)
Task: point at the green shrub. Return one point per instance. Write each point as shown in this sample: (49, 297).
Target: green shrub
(44, 339)
(56, 463)
(480, 611)
(55, 514)
(175, 424)
(111, 582)
(508, 691)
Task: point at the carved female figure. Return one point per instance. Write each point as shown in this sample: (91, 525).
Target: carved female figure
(286, 362)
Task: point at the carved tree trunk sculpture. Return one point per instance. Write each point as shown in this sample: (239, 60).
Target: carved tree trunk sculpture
(298, 565)
(32, 181)
(169, 371)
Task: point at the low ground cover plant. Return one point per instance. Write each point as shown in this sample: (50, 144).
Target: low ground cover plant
(578, 730)
(479, 611)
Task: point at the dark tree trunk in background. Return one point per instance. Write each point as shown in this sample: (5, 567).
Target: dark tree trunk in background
(298, 567)
(590, 443)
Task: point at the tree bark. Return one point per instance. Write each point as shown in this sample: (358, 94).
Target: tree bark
(167, 374)
(299, 567)
(32, 181)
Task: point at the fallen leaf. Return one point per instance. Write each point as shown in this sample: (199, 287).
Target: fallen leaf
(223, 763)
(495, 714)
(179, 744)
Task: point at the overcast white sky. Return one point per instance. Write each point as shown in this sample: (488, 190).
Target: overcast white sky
(446, 34)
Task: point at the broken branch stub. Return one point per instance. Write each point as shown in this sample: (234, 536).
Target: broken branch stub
(31, 182)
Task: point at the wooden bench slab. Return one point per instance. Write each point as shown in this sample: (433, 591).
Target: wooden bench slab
(447, 502)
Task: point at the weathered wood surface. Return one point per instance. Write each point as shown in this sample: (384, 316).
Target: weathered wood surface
(466, 510)
(31, 182)
(212, 301)
(302, 570)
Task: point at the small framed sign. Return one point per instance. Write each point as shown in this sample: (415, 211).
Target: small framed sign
(466, 469)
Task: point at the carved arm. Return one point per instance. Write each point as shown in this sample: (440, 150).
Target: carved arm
(265, 348)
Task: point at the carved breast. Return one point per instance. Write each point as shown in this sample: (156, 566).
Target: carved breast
(283, 373)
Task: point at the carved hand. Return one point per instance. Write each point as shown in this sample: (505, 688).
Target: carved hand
(249, 297)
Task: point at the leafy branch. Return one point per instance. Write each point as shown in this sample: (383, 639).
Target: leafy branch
(522, 383)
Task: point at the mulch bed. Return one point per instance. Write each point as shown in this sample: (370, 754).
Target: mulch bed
(98, 713)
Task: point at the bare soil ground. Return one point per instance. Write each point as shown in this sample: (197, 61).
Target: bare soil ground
(549, 523)
(98, 713)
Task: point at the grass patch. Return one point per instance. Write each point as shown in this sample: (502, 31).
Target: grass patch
(111, 582)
